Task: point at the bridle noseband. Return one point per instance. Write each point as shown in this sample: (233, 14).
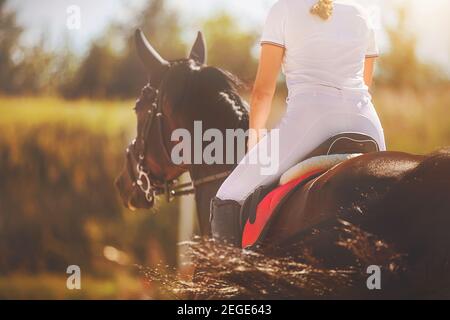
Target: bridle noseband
(146, 181)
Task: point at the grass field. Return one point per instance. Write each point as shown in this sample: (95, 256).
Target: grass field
(416, 122)
(99, 116)
(58, 204)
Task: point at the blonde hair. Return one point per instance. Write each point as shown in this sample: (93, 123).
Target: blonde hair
(323, 9)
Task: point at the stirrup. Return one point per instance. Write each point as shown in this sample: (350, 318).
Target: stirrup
(225, 218)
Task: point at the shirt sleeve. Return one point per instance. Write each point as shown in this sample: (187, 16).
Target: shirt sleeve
(372, 48)
(273, 32)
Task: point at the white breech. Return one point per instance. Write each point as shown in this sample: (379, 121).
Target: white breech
(313, 115)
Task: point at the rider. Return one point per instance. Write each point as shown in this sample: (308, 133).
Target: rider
(327, 51)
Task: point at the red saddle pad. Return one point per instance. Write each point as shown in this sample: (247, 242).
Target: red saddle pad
(266, 208)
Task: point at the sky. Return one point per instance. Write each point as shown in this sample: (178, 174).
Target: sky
(429, 19)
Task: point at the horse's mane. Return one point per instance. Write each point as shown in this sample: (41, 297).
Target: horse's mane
(205, 89)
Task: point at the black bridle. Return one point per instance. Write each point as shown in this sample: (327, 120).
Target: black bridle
(145, 180)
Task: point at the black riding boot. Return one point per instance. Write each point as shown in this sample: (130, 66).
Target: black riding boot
(225, 217)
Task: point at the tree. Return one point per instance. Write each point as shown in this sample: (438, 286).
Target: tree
(94, 75)
(111, 67)
(400, 66)
(162, 28)
(10, 53)
(230, 47)
(23, 70)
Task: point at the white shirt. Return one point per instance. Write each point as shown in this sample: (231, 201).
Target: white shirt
(321, 52)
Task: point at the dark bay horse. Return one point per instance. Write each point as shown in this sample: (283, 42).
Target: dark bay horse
(402, 198)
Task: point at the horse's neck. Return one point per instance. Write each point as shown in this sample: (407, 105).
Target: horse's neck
(205, 192)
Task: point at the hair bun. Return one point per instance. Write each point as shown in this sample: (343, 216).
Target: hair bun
(323, 9)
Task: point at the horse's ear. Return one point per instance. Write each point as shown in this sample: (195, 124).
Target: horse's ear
(198, 51)
(153, 62)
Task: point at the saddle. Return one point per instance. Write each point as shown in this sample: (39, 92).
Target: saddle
(262, 206)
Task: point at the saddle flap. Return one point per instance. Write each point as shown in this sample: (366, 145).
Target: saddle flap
(258, 222)
(262, 206)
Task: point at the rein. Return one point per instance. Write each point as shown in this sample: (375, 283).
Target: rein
(147, 182)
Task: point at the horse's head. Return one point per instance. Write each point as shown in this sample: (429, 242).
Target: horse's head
(179, 92)
(148, 169)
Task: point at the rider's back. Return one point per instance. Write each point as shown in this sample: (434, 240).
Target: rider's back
(321, 52)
